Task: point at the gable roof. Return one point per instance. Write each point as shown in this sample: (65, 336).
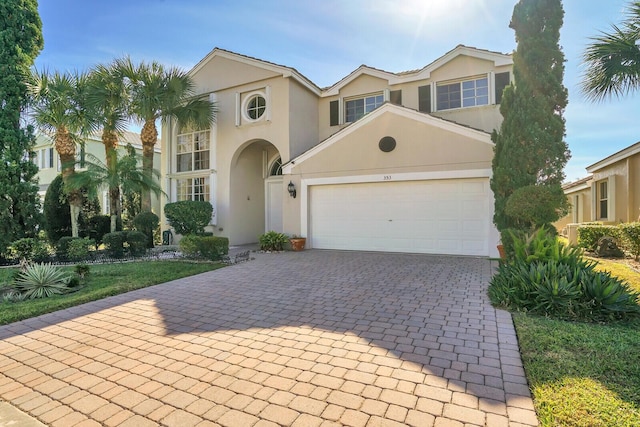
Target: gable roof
(615, 157)
(387, 107)
(580, 184)
(255, 62)
(498, 59)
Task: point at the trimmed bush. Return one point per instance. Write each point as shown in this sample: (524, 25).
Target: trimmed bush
(31, 249)
(114, 243)
(137, 242)
(273, 241)
(590, 233)
(211, 248)
(189, 216)
(62, 247)
(631, 236)
(78, 249)
(147, 223)
(97, 227)
(536, 205)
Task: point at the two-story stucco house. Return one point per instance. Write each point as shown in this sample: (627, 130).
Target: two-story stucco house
(49, 163)
(610, 194)
(380, 161)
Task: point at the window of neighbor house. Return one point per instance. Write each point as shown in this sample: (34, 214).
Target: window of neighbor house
(356, 108)
(193, 189)
(467, 93)
(192, 151)
(603, 200)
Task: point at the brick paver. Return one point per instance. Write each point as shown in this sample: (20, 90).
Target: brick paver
(296, 339)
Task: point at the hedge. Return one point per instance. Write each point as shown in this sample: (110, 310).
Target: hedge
(211, 248)
(627, 234)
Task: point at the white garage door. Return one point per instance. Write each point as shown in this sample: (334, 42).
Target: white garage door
(436, 217)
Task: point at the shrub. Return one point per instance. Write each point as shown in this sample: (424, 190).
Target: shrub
(114, 243)
(536, 205)
(189, 216)
(40, 281)
(137, 242)
(207, 247)
(30, 249)
(62, 247)
(631, 235)
(590, 233)
(82, 270)
(273, 241)
(554, 280)
(147, 223)
(97, 227)
(78, 248)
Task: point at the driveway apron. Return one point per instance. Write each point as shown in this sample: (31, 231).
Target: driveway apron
(312, 338)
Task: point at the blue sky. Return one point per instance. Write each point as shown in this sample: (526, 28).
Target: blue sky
(327, 39)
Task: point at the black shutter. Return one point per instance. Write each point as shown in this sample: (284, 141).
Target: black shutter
(502, 81)
(395, 97)
(333, 113)
(424, 99)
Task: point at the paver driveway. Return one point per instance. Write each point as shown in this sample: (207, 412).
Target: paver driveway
(295, 339)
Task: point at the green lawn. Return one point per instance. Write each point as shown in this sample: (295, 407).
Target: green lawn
(103, 280)
(584, 374)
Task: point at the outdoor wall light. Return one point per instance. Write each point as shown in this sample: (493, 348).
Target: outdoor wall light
(292, 189)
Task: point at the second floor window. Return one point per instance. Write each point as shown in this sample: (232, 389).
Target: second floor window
(468, 93)
(193, 151)
(356, 108)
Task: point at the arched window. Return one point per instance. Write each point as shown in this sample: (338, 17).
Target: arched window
(276, 168)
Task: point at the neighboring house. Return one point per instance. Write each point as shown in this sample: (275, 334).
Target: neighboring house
(49, 163)
(611, 194)
(380, 161)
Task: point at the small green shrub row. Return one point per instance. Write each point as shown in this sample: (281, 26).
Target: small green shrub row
(136, 242)
(548, 278)
(30, 249)
(627, 234)
(74, 248)
(211, 248)
(273, 241)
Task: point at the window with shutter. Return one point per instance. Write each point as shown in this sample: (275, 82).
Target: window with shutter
(333, 113)
(424, 99)
(395, 97)
(502, 81)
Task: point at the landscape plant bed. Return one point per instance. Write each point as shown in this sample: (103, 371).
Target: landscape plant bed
(102, 281)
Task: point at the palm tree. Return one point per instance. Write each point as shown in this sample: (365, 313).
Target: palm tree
(58, 109)
(108, 94)
(159, 93)
(612, 60)
(124, 174)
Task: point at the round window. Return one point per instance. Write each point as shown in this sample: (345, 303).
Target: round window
(256, 106)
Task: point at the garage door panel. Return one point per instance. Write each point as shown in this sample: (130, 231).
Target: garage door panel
(440, 216)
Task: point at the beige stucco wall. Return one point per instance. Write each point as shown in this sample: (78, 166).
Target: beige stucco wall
(420, 148)
(223, 73)
(578, 213)
(303, 119)
(627, 187)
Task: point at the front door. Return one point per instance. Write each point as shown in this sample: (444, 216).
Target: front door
(273, 208)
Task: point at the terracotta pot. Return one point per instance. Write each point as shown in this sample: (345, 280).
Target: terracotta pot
(501, 251)
(297, 243)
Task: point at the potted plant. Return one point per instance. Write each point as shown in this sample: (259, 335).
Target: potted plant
(297, 242)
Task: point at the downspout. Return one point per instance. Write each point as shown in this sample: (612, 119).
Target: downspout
(629, 193)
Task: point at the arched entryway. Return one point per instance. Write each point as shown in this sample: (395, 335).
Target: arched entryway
(255, 200)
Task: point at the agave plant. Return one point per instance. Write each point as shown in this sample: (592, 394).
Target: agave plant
(40, 281)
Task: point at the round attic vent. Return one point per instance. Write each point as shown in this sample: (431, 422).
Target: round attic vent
(387, 144)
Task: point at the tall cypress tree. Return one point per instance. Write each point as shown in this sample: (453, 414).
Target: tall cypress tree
(529, 147)
(20, 43)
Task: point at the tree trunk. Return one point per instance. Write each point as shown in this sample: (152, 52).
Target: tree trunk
(110, 141)
(66, 148)
(148, 136)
